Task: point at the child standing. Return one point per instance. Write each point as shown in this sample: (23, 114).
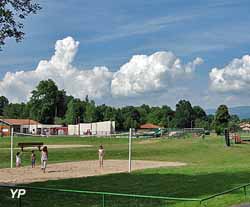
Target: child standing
(44, 158)
(101, 156)
(18, 159)
(33, 159)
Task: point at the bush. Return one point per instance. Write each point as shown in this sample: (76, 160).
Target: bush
(219, 130)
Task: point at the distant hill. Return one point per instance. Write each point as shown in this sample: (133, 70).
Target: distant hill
(242, 111)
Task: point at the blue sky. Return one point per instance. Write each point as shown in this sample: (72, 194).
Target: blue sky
(112, 32)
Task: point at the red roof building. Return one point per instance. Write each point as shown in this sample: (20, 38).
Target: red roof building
(18, 125)
(19, 121)
(149, 126)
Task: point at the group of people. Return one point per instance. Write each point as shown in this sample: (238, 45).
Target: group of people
(44, 158)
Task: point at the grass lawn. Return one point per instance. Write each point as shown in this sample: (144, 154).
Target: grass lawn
(212, 168)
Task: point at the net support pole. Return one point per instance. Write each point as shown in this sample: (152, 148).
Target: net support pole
(11, 147)
(130, 149)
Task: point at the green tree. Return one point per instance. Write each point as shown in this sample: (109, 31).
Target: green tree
(3, 103)
(234, 126)
(184, 115)
(90, 111)
(221, 119)
(143, 111)
(167, 116)
(131, 117)
(234, 118)
(43, 102)
(234, 123)
(210, 118)
(75, 112)
(119, 120)
(160, 115)
(16, 111)
(100, 112)
(201, 123)
(61, 103)
(155, 115)
(109, 114)
(199, 113)
(59, 120)
(12, 12)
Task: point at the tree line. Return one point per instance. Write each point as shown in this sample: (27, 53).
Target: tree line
(49, 105)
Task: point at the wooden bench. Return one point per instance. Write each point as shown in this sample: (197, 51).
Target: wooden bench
(30, 144)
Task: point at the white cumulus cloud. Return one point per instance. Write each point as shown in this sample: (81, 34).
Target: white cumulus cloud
(141, 75)
(150, 73)
(235, 77)
(95, 83)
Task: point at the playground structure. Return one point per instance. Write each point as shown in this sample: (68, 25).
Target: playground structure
(170, 132)
(235, 138)
(150, 134)
(238, 139)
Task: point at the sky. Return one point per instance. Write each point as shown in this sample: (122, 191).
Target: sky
(134, 52)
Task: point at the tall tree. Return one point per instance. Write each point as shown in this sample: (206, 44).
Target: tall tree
(167, 116)
(233, 123)
(3, 102)
(12, 12)
(61, 103)
(43, 101)
(143, 110)
(131, 117)
(199, 113)
(155, 115)
(184, 115)
(90, 111)
(234, 118)
(16, 111)
(75, 112)
(119, 120)
(222, 118)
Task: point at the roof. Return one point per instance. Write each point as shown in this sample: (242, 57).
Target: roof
(246, 129)
(244, 125)
(19, 121)
(149, 126)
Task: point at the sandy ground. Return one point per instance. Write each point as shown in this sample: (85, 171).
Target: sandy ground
(76, 170)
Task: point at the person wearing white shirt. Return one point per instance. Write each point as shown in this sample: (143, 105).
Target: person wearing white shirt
(101, 156)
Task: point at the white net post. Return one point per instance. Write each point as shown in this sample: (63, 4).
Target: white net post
(11, 147)
(130, 149)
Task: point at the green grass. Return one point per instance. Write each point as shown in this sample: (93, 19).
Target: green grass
(212, 168)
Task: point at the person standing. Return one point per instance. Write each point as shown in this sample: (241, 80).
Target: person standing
(33, 159)
(18, 159)
(101, 155)
(44, 158)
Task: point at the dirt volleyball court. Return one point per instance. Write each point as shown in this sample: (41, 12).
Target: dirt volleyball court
(76, 170)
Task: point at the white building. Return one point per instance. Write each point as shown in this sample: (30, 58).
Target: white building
(103, 128)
